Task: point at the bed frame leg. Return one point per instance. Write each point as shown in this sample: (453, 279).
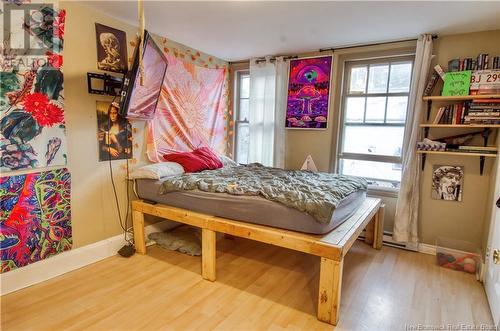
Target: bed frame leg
(208, 253)
(378, 228)
(330, 281)
(139, 236)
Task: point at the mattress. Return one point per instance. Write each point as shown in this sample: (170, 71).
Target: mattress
(251, 209)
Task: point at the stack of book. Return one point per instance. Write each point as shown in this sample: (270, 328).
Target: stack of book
(474, 149)
(480, 63)
(483, 111)
(452, 114)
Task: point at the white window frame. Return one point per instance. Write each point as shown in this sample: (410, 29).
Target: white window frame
(237, 82)
(348, 65)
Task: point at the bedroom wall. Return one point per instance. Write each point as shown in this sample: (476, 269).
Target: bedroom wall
(465, 220)
(94, 215)
(468, 219)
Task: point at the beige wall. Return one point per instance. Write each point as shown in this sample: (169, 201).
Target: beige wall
(465, 220)
(94, 214)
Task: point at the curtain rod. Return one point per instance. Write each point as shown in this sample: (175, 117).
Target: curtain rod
(262, 59)
(372, 44)
(434, 36)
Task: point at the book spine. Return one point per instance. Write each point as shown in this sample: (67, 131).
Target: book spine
(431, 83)
(440, 71)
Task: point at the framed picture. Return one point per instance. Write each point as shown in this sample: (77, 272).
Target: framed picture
(308, 93)
(114, 133)
(111, 49)
(447, 182)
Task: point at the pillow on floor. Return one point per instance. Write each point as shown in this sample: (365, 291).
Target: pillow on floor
(157, 170)
(184, 239)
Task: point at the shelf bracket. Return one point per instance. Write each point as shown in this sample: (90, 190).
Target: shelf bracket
(424, 157)
(429, 107)
(426, 132)
(486, 135)
(481, 164)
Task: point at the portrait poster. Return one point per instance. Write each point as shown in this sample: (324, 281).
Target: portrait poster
(447, 182)
(111, 49)
(308, 93)
(114, 133)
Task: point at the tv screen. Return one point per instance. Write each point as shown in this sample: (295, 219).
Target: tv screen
(136, 101)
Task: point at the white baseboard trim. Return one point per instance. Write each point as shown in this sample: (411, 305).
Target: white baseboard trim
(427, 249)
(68, 261)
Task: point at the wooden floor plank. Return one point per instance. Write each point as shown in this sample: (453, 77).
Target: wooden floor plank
(258, 287)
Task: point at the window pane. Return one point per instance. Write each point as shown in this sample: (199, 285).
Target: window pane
(243, 138)
(377, 82)
(396, 109)
(358, 80)
(375, 109)
(245, 86)
(378, 140)
(355, 109)
(243, 110)
(400, 77)
(371, 169)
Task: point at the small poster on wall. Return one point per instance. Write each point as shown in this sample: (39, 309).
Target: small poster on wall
(308, 93)
(447, 182)
(114, 133)
(111, 49)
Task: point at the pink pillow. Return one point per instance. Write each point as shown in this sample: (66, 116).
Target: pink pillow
(189, 161)
(198, 160)
(209, 156)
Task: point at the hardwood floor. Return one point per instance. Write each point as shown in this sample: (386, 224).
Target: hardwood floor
(258, 287)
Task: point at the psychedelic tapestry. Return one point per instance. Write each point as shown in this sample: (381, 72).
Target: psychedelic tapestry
(32, 126)
(35, 217)
(191, 110)
(308, 93)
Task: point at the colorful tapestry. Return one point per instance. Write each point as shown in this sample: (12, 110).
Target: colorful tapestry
(32, 126)
(35, 217)
(191, 110)
(308, 93)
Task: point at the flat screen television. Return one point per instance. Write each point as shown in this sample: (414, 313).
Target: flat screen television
(140, 102)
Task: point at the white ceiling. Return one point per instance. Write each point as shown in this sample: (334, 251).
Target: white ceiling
(237, 30)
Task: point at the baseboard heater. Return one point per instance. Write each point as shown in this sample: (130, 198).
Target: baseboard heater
(388, 241)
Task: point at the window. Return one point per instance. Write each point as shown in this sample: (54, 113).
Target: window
(242, 132)
(374, 107)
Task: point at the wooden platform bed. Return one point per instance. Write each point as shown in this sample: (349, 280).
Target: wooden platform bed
(331, 247)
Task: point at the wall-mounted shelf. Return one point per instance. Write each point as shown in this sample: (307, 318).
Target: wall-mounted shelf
(482, 156)
(451, 126)
(461, 97)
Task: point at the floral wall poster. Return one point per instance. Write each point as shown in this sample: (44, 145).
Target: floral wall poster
(32, 126)
(308, 93)
(35, 217)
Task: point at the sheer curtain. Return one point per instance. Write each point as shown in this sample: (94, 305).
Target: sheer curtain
(267, 112)
(405, 222)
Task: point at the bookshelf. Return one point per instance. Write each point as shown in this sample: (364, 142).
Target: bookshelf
(458, 153)
(461, 97)
(451, 126)
(486, 127)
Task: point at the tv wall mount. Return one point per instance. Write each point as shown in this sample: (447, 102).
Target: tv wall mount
(104, 84)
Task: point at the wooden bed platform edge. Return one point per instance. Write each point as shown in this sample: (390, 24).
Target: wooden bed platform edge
(331, 247)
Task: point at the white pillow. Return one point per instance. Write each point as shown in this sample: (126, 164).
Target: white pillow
(157, 170)
(226, 161)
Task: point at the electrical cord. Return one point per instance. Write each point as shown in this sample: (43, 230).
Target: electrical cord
(123, 223)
